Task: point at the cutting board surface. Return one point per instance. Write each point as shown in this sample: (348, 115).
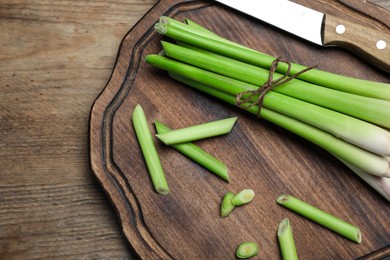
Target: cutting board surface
(259, 155)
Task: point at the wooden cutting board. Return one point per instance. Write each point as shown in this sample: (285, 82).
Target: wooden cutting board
(259, 155)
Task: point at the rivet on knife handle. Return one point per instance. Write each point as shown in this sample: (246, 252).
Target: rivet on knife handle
(373, 45)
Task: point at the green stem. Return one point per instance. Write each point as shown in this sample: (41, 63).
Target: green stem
(325, 219)
(197, 132)
(197, 154)
(149, 151)
(326, 79)
(368, 162)
(286, 241)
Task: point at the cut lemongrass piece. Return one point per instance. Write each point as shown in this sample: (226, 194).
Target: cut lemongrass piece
(367, 161)
(243, 197)
(227, 205)
(286, 241)
(197, 154)
(149, 151)
(247, 250)
(325, 219)
(197, 132)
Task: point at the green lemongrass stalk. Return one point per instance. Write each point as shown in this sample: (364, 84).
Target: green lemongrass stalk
(226, 205)
(286, 241)
(243, 197)
(362, 159)
(197, 132)
(347, 84)
(247, 250)
(200, 27)
(380, 184)
(197, 154)
(193, 27)
(149, 151)
(358, 132)
(325, 219)
(369, 109)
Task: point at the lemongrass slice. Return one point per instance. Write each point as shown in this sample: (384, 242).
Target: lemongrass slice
(286, 241)
(197, 132)
(247, 250)
(227, 205)
(325, 219)
(149, 151)
(243, 197)
(197, 154)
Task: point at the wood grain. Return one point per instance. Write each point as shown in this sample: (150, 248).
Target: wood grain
(259, 155)
(359, 39)
(55, 58)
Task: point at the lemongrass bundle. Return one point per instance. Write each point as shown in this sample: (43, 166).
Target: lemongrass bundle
(348, 117)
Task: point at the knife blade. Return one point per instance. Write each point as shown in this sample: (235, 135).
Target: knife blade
(323, 29)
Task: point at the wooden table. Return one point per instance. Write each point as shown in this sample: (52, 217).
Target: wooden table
(55, 58)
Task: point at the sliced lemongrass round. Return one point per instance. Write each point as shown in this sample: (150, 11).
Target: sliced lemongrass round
(286, 241)
(243, 197)
(247, 250)
(197, 154)
(197, 132)
(321, 217)
(149, 151)
(227, 205)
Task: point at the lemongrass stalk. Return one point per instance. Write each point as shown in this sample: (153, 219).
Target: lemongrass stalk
(380, 184)
(149, 151)
(347, 84)
(247, 250)
(197, 132)
(368, 162)
(358, 132)
(195, 28)
(286, 241)
(321, 217)
(371, 110)
(200, 27)
(243, 197)
(226, 205)
(197, 154)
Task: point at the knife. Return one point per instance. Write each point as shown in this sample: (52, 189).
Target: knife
(322, 29)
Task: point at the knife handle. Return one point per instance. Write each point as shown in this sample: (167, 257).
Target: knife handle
(373, 45)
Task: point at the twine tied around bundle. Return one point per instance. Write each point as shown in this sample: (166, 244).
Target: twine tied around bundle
(251, 100)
